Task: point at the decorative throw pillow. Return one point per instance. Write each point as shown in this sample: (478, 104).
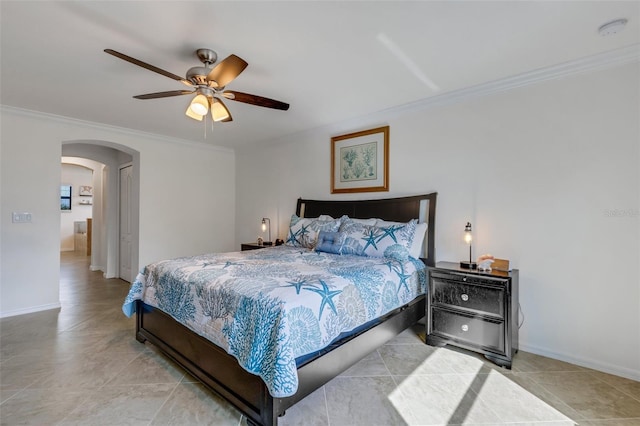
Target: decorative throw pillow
(303, 232)
(330, 242)
(379, 239)
(362, 238)
(417, 244)
(353, 231)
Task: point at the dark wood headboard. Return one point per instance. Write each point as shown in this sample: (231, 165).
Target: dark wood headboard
(401, 209)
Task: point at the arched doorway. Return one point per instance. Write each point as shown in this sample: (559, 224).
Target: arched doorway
(106, 250)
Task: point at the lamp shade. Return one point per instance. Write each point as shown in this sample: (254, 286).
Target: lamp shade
(468, 238)
(199, 105)
(192, 114)
(266, 224)
(218, 111)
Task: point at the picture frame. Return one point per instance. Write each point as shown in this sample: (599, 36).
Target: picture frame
(85, 191)
(360, 161)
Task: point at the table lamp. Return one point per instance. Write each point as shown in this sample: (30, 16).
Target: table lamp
(468, 238)
(264, 228)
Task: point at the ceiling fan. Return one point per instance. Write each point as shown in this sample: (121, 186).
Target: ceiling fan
(208, 85)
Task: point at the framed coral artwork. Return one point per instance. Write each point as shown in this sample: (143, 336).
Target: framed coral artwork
(360, 161)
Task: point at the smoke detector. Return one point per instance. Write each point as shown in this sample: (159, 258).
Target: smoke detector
(612, 27)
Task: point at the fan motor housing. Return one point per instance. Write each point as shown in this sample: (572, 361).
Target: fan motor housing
(198, 75)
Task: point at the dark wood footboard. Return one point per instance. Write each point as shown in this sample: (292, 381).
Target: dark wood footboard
(222, 373)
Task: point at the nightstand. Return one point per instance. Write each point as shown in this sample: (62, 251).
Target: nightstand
(251, 246)
(474, 310)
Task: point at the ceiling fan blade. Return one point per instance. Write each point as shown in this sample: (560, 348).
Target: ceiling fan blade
(164, 94)
(219, 111)
(147, 66)
(227, 70)
(255, 100)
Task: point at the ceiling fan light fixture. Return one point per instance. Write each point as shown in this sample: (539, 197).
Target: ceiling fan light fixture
(218, 111)
(192, 114)
(199, 105)
(207, 85)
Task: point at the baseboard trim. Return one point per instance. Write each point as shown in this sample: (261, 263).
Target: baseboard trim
(94, 268)
(616, 370)
(30, 310)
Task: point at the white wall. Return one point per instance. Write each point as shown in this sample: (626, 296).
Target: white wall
(187, 200)
(538, 170)
(75, 175)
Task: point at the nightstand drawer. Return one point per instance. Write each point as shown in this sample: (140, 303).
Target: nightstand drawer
(484, 299)
(476, 331)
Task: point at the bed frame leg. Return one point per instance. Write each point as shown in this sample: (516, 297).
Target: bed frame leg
(251, 422)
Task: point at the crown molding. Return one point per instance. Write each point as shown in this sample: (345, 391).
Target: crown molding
(107, 127)
(609, 59)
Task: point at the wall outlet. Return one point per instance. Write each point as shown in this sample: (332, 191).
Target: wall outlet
(20, 217)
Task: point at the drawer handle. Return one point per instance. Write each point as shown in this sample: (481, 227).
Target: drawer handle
(464, 279)
(464, 297)
(465, 327)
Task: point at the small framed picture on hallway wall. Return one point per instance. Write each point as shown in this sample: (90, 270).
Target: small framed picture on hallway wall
(85, 191)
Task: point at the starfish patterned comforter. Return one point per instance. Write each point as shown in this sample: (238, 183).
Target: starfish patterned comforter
(267, 307)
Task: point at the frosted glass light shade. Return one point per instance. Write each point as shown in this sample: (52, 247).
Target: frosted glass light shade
(193, 115)
(218, 111)
(199, 105)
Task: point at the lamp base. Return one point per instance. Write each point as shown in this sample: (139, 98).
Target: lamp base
(465, 264)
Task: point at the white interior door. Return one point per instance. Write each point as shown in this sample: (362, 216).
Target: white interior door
(126, 182)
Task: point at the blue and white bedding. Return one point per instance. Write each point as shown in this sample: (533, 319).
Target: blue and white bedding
(267, 307)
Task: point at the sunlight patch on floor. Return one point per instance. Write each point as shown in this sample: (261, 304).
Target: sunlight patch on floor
(467, 391)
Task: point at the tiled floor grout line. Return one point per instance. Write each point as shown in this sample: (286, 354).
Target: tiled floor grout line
(620, 389)
(326, 404)
(165, 402)
(546, 388)
(87, 396)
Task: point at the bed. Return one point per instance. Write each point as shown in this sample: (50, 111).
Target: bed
(252, 394)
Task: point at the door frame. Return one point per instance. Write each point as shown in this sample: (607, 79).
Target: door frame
(134, 231)
(112, 155)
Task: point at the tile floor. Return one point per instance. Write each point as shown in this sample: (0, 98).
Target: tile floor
(81, 365)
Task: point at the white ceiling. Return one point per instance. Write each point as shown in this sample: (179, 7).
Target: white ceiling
(331, 61)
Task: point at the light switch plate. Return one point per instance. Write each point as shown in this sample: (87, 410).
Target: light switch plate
(23, 217)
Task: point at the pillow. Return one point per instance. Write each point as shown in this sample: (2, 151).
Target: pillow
(330, 242)
(417, 246)
(346, 221)
(303, 232)
(380, 238)
(364, 239)
(417, 249)
(354, 230)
